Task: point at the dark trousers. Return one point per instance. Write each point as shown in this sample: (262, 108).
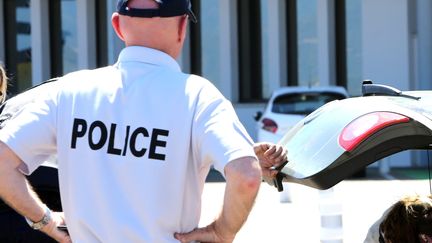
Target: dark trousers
(14, 229)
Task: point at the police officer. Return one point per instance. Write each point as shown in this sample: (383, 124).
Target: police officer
(135, 142)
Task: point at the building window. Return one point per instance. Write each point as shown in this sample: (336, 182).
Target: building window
(291, 36)
(195, 40)
(249, 30)
(353, 13)
(101, 33)
(63, 31)
(18, 44)
(264, 50)
(307, 42)
(69, 34)
(210, 39)
(341, 43)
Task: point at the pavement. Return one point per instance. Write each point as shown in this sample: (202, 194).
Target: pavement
(298, 214)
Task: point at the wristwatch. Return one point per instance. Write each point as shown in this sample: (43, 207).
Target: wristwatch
(44, 221)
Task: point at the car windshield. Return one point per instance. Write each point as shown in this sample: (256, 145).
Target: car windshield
(303, 103)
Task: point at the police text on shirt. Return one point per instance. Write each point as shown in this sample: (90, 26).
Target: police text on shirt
(98, 135)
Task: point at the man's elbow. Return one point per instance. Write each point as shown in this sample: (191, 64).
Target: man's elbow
(245, 172)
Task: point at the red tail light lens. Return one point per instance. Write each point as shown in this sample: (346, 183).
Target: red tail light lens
(363, 127)
(269, 125)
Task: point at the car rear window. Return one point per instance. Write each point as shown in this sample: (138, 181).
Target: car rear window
(303, 103)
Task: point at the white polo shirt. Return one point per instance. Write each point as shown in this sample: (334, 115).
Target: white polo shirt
(135, 142)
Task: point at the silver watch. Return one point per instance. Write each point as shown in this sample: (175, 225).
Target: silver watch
(44, 221)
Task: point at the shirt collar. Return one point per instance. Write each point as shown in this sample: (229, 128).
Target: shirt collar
(147, 55)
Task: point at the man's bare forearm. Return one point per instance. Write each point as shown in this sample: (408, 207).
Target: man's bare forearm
(243, 181)
(17, 193)
(14, 188)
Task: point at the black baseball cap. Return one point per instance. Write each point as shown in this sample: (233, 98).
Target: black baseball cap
(167, 8)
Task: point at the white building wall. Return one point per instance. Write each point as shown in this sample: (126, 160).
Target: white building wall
(386, 44)
(424, 45)
(387, 50)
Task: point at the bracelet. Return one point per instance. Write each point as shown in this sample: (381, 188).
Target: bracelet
(43, 222)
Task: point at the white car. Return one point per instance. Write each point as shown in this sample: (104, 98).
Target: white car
(288, 105)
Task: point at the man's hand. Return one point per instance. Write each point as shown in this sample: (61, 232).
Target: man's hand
(52, 231)
(270, 155)
(211, 234)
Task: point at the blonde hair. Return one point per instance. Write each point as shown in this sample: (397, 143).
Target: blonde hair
(407, 219)
(3, 84)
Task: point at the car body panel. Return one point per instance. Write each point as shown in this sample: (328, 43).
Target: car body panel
(317, 159)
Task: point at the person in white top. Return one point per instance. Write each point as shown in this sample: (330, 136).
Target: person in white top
(134, 143)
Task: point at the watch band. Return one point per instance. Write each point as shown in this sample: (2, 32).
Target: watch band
(44, 221)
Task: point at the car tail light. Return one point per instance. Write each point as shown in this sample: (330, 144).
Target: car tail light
(269, 125)
(363, 127)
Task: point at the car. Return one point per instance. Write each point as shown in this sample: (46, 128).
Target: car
(289, 105)
(344, 136)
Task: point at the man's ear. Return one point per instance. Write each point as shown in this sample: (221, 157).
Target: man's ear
(182, 28)
(115, 21)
